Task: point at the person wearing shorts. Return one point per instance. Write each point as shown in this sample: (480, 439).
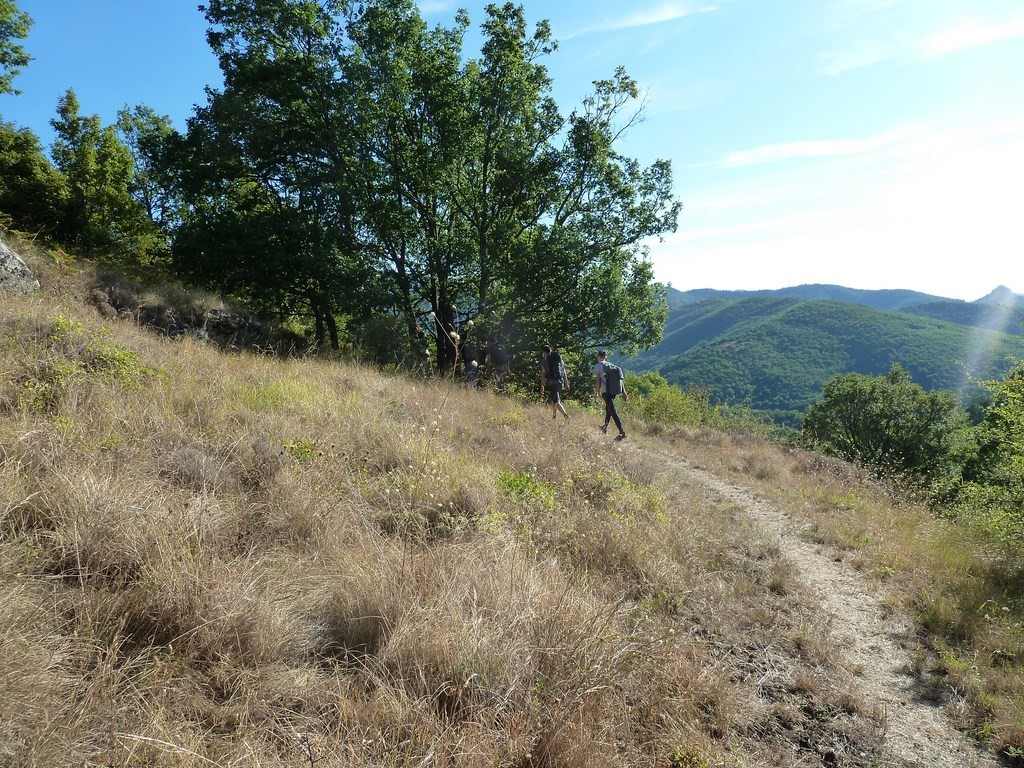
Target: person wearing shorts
(553, 380)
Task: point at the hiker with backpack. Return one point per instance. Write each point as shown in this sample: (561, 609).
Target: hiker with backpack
(609, 383)
(497, 356)
(469, 354)
(553, 379)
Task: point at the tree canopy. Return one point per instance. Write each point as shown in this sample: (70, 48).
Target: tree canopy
(14, 26)
(993, 478)
(887, 423)
(358, 164)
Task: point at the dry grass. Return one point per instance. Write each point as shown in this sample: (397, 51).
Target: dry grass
(237, 560)
(965, 593)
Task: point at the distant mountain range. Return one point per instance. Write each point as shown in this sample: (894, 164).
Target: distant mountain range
(773, 350)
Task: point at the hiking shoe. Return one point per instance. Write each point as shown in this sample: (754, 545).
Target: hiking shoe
(567, 417)
(621, 436)
(604, 429)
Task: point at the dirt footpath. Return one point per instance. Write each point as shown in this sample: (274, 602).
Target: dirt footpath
(917, 731)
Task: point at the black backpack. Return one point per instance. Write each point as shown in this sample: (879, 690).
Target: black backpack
(500, 356)
(556, 371)
(612, 379)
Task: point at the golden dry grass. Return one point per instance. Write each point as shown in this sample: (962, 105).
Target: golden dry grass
(232, 560)
(964, 592)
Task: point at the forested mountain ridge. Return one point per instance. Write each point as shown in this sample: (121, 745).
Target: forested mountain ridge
(890, 298)
(1001, 310)
(773, 354)
(878, 299)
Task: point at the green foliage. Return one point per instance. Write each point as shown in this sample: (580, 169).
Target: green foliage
(527, 487)
(33, 194)
(357, 164)
(993, 487)
(303, 451)
(653, 399)
(102, 217)
(269, 172)
(146, 136)
(888, 423)
(67, 354)
(14, 26)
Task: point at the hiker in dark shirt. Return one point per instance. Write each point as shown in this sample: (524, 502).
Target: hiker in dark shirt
(553, 379)
(469, 360)
(497, 359)
(601, 389)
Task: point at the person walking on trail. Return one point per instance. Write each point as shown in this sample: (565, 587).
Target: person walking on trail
(609, 383)
(469, 354)
(497, 358)
(553, 379)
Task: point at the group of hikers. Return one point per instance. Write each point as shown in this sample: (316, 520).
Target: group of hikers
(472, 359)
(609, 380)
(609, 383)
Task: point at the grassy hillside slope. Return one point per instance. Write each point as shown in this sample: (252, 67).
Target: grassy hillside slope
(774, 354)
(211, 559)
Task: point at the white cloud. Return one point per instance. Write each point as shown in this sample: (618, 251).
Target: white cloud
(660, 14)
(867, 32)
(971, 34)
(858, 56)
(773, 153)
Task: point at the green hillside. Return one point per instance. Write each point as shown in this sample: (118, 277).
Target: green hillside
(1004, 318)
(774, 354)
(877, 299)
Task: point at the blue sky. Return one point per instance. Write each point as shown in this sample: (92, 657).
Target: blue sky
(865, 143)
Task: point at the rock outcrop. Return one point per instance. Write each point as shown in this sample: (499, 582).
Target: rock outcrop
(116, 296)
(15, 276)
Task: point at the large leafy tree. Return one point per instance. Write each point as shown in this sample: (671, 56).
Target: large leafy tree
(889, 424)
(414, 181)
(103, 217)
(496, 208)
(14, 26)
(271, 216)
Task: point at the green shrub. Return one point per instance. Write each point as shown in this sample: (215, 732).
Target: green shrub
(653, 399)
(66, 353)
(889, 424)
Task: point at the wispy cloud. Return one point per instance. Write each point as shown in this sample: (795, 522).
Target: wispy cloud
(863, 54)
(669, 11)
(796, 150)
(971, 34)
(896, 38)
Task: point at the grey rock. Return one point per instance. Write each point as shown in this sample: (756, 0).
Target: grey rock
(15, 276)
